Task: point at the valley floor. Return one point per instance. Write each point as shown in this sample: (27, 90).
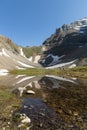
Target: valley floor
(79, 72)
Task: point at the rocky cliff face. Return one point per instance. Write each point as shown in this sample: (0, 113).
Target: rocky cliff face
(67, 47)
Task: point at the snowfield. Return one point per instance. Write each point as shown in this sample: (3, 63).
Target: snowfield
(35, 60)
(24, 79)
(22, 53)
(61, 65)
(25, 65)
(55, 59)
(60, 78)
(3, 72)
(3, 53)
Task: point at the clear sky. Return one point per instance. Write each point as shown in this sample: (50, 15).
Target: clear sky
(30, 22)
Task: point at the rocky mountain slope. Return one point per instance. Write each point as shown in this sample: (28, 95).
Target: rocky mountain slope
(12, 56)
(67, 47)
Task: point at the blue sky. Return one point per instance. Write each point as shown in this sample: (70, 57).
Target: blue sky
(30, 22)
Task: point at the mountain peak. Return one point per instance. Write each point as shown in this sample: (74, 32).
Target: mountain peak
(83, 19)
(77, 25)
(67, 44)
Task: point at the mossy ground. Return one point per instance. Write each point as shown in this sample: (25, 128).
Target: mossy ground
(8, 104)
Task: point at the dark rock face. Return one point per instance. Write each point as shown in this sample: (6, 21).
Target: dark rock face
(70, 41)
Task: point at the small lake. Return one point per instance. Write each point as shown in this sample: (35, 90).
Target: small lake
(47, 102)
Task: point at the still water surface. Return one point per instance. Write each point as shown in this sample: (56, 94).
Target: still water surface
(50, 102)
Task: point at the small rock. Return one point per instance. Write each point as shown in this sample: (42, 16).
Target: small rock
(11, 111)
(9, 123)
(20, 125)
(25, 119)
(30, 92)
(25, 106)
(75, 113)
(41, 124)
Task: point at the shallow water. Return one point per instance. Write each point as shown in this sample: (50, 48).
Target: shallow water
(50, 102)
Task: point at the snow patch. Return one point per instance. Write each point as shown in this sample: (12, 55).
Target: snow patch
(24, 79)
(21, 90)
(84, 19)
(79, 27)
(20, 68)
(22, 53)
(61, 65)
(25, 65)
(55, 59)
(72, 66)
(37, 86)
(3, 72)
(29, 85)
(30, 59)
(3, 52)
(36, 58)
(60, 78)
(18, 76)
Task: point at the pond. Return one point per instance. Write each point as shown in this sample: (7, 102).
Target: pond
(47, 103)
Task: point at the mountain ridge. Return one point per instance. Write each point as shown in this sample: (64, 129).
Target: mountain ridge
(12, 56)
(67, 47)
(64, 43)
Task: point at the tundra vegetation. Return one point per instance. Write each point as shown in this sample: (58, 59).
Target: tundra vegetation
(31, 51)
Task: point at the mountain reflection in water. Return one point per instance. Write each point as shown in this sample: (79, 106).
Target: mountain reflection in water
(39, 85)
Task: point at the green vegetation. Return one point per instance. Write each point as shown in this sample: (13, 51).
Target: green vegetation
(5, 95)
(77, 72)
(8, 104)
(7, 99)
(80, 68)
(35, 71)
(80, 71)
(31, 51)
